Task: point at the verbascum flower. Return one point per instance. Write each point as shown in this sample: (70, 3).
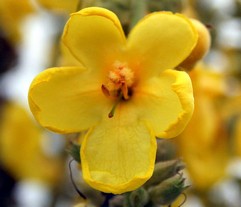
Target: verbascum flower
(21, 147)
(124, 93)
(231, 113)
(203, 143)
(12, 13)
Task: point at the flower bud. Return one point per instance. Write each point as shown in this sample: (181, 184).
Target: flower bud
(166, 192)
(201, 48)
(164, 170)
(137, 198)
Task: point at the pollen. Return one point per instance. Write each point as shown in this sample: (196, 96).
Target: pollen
(114, 76)
(120, 75)
(119, 80)
(128, 75)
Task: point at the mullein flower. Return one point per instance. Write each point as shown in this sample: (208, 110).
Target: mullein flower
(21, 147)
(231, 113)
(12, 14)
(203, 143)
(124, 93)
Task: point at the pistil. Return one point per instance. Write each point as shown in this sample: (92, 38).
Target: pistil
(112, 112)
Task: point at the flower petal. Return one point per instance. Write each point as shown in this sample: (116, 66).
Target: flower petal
(94, 36)
(118, 155)
(161, 40)
(66, 99)
(165, 102)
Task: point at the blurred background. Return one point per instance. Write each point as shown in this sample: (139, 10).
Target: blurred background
(33, 161)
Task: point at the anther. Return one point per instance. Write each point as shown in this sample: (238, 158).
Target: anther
(124, 90)
(105, 90)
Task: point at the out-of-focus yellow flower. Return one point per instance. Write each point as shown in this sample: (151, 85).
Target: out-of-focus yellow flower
(12, 13)
(123, 92)
(231, 113)
(21, 152)
(60, 5)
(203, 144)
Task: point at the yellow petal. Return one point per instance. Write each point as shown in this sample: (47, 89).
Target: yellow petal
(206, 166)
(66, 58)
(66, 99)
(94, 36)
(161, 40)
(118, 155)
(165, 102)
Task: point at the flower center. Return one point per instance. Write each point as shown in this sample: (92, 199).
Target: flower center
(119, 81)
(118, 85)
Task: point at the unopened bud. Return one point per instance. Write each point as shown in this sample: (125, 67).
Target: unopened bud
(164, 170)
(137, 198)
(201, 48)
(166, 192)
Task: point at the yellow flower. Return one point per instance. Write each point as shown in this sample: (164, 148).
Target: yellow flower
(21, 151)
(203, 143)
(231, 113)
(123, 92)
(12, 13)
